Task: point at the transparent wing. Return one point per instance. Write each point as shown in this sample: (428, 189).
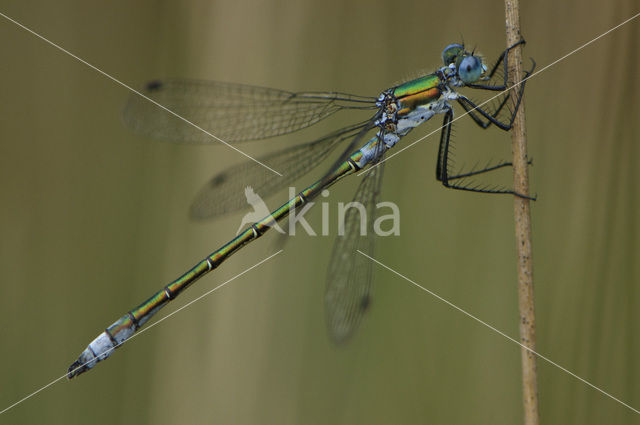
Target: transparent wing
(348, 291)
(232, 112)
(224, 193)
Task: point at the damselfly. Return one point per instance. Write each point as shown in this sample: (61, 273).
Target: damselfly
(237, 113)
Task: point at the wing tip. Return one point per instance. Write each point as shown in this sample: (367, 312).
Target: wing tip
(154, 85)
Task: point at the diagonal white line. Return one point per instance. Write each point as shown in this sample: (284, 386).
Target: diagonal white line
(372, 259)
(145, 329)
(499, 332)
(115, 80)
(504, 91)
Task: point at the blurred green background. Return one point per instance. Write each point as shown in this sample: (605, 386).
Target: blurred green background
(95, 219)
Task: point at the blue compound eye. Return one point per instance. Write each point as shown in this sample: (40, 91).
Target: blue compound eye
(470, 69)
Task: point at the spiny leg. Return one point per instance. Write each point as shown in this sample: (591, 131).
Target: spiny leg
(477, 119)
(442, 173)
(483, 170)
(443, 149)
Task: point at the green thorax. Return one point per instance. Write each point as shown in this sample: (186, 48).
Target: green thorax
(418, 92)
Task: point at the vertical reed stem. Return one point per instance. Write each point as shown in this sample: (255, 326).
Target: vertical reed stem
(522, 216)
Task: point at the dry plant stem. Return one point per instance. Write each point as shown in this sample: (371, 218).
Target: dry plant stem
(523, 226)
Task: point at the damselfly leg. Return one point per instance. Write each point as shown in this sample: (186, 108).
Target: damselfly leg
(492, 117)
(483, 116)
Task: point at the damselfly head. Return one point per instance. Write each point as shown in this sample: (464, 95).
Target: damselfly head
(469, 66)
